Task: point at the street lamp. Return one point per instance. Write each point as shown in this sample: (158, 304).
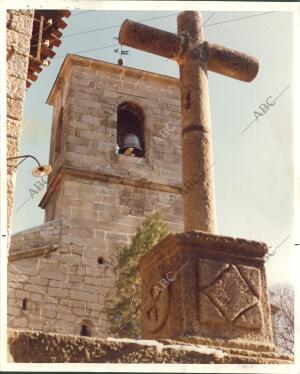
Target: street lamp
(39, 170)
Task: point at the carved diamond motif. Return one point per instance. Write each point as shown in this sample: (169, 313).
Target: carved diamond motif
(229, 291)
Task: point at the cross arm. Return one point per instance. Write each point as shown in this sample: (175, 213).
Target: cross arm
(220, 59)
(232, 63)
(149, 39)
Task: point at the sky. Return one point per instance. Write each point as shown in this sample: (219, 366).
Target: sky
(253, 165)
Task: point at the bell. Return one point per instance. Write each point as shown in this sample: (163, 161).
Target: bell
(131, 146)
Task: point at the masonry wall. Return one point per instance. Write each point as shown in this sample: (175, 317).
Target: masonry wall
(93, 99)
(69, 286)
(19, 30)
(99, 198)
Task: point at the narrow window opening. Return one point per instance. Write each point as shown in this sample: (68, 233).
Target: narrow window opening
(85, 330)
(24, 304)
(130, 130)
(59, 132)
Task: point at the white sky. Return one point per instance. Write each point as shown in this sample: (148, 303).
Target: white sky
(253, 170)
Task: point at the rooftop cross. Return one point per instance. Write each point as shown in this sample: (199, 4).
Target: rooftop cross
(194, 56)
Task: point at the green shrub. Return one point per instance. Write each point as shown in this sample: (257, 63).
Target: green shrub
(123, 303)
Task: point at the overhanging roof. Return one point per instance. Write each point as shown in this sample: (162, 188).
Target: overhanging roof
(46, 34)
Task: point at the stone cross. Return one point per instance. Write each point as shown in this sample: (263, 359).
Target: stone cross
(194, 56)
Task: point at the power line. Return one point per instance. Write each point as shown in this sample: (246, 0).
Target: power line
(114, 45)
(238, 19)
(82, 13)
(89, 50)
(116, 26)
(108, 27)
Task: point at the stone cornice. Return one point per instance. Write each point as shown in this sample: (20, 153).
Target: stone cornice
(104, 66)
(32, 253)
(76, 172)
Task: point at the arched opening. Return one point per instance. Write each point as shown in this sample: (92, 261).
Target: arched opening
(130, 130)
(86, 328)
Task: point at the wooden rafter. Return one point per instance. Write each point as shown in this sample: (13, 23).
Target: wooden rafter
(46, 34)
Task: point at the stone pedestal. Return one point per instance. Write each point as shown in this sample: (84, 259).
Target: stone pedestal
(207, 289)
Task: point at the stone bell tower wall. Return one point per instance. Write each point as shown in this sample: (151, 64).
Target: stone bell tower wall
(85, 101)
(97, 196)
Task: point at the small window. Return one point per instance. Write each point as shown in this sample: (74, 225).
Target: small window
(130, 130)
(86, 328)
(100, 260)
(24, 304)
(59, 132)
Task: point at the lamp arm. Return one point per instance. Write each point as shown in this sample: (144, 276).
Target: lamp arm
(25, 156)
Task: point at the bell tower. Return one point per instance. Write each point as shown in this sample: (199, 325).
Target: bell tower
(115, 153)
(115, 150)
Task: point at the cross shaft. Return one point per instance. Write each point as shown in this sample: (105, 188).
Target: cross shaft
(195, 56)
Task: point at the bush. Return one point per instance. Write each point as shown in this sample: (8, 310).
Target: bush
(123, 304)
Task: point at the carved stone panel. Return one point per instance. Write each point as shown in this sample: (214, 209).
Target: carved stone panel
(229, 294)
(156, 300)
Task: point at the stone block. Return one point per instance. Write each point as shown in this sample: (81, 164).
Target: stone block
(14, 108)
(207, 289)
(35, 288)
(39, 281)
(13, 284)
(71, 259)
(36, 325)
(76, 278)
(79, 109)
(36, 297)
(20, 42)
(17, 66)
(48, 313)
(19, 322)
(20, 294)
(85, 296)
(57, 292)
(80, 312)
(53, 275)
(21, 23)
(15, 88)
(63, 308)
(13, 311)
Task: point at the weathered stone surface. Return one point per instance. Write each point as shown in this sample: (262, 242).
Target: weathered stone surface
(44, 235)
(19, 42)
(209, 312)
(250, 318)
(28, 13)
(17, 66)
(22, 23)
(214, 290)
(19, 28)
(27, 346)
(14, 108)
(15, 88)
(194, 56)
(12, 151)
(97, 215)
(13, 129)
(229, 292)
